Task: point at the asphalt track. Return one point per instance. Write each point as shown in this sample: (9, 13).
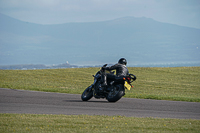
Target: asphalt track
(33, 102)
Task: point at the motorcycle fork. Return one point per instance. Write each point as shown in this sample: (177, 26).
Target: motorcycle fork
(90, 88)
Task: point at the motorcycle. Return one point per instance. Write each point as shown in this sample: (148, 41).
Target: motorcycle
(114, 90)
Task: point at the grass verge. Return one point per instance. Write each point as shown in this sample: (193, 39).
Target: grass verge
(178, 83)
(83, 124)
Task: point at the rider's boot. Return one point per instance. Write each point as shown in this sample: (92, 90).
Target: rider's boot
(104, 80)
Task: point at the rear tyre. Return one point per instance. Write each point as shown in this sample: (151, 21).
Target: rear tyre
(116, 93)
(87, 94)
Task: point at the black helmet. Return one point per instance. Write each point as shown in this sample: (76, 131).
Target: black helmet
(122, 61)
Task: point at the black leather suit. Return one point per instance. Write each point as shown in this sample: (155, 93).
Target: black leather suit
(121, 70)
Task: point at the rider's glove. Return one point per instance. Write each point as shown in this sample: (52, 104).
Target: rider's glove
(103, 68)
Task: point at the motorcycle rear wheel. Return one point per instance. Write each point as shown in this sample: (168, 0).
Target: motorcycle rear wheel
(116, 94)
(87, 94)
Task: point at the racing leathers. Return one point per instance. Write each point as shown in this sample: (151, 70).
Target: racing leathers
(121, 70)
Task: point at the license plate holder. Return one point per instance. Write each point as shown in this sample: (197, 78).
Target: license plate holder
(127, 85)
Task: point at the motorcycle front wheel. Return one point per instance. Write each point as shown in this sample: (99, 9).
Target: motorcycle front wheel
(87, 94)
(116, 93)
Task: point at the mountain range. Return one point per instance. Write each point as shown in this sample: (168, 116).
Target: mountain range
(139, 40)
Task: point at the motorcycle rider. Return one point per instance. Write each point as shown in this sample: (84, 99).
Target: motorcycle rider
(121, 70)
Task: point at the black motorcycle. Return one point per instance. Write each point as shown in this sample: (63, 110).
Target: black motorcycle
(113, 91)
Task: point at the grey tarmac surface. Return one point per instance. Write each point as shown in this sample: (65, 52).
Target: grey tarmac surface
(33, 102)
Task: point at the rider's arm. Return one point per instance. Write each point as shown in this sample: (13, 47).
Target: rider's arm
(111, 67)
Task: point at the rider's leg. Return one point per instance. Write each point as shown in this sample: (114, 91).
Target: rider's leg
(104, 80)
(106, 76)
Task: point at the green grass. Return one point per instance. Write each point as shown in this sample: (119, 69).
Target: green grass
(24, 123)
(181, 83)
(178, 83)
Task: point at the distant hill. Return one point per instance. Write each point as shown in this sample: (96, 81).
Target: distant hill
(140, 40)
(36, 66)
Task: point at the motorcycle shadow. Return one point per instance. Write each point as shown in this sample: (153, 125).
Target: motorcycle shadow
(90, 101)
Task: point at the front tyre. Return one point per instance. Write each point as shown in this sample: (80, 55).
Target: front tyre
(87, 94)
(116, 93)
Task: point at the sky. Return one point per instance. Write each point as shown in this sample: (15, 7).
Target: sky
(179, 12)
